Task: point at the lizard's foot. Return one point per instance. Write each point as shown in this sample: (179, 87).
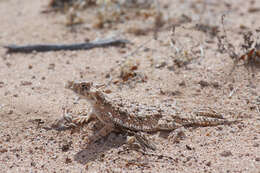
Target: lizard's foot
(131, 141)
(178, 135)
(138, 140)
(79, 120)
(64, 123)
(100, 134)
(82, 119)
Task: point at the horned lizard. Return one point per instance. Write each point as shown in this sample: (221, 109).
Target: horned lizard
(114, 118)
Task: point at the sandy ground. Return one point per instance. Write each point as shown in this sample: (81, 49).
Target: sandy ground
(32, 92)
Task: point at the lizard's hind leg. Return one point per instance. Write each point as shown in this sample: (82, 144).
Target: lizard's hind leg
(100, 134)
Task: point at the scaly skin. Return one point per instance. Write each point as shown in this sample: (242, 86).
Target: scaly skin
(115, 118)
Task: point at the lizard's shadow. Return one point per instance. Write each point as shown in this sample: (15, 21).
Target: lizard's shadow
(97, 149)
(93, 150)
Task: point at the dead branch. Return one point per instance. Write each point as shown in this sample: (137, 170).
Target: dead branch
(54, 47)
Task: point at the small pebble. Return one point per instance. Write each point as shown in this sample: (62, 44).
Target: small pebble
(226, 153)
(51, 66)
(3, 150)
(10, 112)
(65, 147)
(215, 85)
(25, 83)
(30, 66)
(203, 83)
(1, 84)
(68, 160)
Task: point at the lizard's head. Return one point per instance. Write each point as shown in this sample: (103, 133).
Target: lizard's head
(86, 89)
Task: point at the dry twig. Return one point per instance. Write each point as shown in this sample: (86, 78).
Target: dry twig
(54, 47)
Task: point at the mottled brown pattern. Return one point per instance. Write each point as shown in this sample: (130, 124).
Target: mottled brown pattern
(113, 115)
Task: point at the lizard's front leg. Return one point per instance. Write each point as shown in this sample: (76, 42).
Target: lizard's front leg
(68, 121)
(84, 118)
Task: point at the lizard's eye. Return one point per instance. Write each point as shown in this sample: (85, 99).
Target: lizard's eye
(85, 86)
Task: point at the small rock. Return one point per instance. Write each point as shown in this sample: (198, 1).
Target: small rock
(258, 99)
(107, 75)
(226, 153)
(203, 83)
(170, 93)
(33, 164)
(215, 85)
(231, 87)
(188, 147)
(8, 64)
(1, 84)
(30, 66)
(107, 91)
(161, 64)
(68, 160)
(3, 150)
(182, 83)
(25, 83)
(10, 112)
(175, 93)
(208, 164)
(51, 66)
(65, 147)
(147, 49)
(170, 67)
